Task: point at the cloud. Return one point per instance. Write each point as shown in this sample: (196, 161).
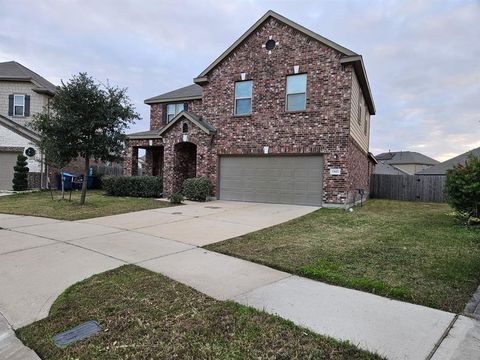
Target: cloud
(421, 56)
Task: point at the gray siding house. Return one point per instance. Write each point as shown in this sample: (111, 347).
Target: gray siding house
(23, 93)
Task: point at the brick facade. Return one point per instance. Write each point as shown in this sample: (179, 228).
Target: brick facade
(323, 128)
(157, 112)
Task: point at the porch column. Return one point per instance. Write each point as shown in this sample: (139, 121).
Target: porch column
(148, 169)
(130, 163)
(168, 170)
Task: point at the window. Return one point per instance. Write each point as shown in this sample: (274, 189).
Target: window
(359, 114)
(243, 97)
(365, 126)
(297, 92)
(19, 105)
(173, 110)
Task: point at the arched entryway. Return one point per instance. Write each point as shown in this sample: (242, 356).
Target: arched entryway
(185, 163)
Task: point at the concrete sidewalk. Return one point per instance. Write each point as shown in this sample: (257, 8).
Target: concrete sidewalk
(10, 347)
(39, 258)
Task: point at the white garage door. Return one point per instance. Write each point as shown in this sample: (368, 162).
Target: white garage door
(273, 179)
(7, 162)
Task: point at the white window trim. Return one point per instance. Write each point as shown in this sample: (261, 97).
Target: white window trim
(297, 93)
(23, 104)
(243, 98)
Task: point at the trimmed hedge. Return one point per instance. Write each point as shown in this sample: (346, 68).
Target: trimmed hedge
(135, 186)
(196, 189)
(176, 198)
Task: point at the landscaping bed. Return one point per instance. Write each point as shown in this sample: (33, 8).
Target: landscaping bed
(40, 203)
(145, 315)
(413, 251)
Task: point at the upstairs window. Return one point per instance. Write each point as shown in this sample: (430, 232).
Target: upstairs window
(359, 115)
(173, 110)
(19, 105)
(243, 97)
(365, 125)
(297, 92)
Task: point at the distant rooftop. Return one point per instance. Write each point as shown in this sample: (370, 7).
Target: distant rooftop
(441, 169)
(386, 169)
(405, 157)
(189, 92)
(14, 71)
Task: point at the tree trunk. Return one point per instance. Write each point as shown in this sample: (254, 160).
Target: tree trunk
(85, 180)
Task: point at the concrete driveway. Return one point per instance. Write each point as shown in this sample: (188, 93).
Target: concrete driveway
(40, 257)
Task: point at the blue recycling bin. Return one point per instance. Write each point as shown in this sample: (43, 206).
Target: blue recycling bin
(67, 181)
(90, 182)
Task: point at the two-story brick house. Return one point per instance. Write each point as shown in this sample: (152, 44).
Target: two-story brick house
(23, 93)
(283, 116)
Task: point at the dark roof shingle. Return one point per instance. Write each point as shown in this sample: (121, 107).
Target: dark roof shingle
(12, 70)
(189, 92)
(441, 169)
(405, 157)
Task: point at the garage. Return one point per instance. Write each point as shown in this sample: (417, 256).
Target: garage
(272, 179)
(7, 162)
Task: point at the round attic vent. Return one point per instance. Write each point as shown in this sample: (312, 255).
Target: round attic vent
(270, 44)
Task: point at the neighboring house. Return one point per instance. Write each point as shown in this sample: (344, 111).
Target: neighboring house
(385, 169)
(23, 93)
(282, 116)
(441, 168)
(409, 162)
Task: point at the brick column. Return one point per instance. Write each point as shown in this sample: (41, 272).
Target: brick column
(148, 168)
(130, 163)
(168, 170)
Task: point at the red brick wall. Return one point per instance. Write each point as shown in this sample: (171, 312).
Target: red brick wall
(359, 174)
(157, 119)
(323, 128)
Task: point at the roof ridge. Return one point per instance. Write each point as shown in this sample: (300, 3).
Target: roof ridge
(270, 13)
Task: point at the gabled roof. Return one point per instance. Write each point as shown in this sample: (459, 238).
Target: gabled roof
(350, 56)
(382, 168)
(202, 124)
(13, 71)
(19, 129)
(189, 92)
(441, 169)
(405, 157)
(150, 134)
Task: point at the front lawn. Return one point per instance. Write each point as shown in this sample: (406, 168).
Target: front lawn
(40, 203)
(145, 315)
(411, 251)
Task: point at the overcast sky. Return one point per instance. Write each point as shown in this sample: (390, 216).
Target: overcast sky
(422, 57)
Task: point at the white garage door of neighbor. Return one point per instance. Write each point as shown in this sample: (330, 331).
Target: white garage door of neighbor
(7, 162)
(272, 179)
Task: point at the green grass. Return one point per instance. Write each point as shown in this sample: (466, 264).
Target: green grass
(40, 203)
(145, 315)
(411, 251)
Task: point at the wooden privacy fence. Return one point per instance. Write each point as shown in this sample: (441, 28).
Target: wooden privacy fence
(408, 187)
(113, 169)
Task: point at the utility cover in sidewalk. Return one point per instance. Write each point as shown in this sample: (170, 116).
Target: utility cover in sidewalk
(77, 333)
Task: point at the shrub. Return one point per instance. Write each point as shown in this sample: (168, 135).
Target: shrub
(196, 189)
(176, 198)
(463, 188)
(97, 181)
(20, 177)
(136, 186)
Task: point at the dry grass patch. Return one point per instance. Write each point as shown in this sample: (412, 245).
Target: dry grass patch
(147, 316)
